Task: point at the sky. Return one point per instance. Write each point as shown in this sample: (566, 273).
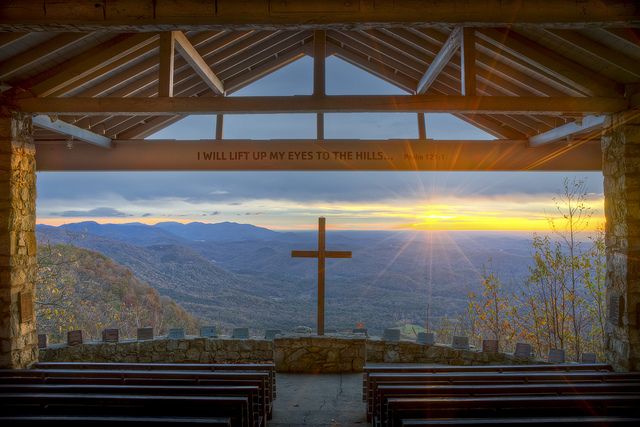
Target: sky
(504, 201)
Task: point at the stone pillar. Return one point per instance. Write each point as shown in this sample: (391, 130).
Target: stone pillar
(18, 262)
(621, 169)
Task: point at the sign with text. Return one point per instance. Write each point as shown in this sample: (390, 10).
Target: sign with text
(397, 155)
(145, 334)
(489, 346)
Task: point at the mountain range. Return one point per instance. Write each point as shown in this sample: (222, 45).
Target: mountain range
(236, 275)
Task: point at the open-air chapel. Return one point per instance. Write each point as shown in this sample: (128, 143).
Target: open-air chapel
(83, 83)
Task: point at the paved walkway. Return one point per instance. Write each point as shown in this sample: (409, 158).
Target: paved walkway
(319, 400)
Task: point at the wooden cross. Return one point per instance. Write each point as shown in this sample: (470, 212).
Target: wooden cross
(321, 254)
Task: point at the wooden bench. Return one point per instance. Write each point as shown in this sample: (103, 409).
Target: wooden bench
(517, 422)
(512, 407)
(64, 421)
(493, 378)
(251, 392)
(109, 405)
(410, 368)
(385, 392)
(236, 367)
(260, 409)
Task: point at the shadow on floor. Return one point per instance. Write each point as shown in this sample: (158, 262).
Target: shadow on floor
(319, 400)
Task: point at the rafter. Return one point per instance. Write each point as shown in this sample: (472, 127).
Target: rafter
(49, 81)
(166, 63)
(200, 66)
(326, 104)
(72, 131)
(587, 124)
(19, 62)
(559, 66)
(441, 60)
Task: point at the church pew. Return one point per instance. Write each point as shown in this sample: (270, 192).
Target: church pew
(105, 405)
(81, 421)
(518, 422)
(237, 367)
(406, 368)
(203, 378)
(511, 407)
(251, 392)
(385, 392)
(493, 378)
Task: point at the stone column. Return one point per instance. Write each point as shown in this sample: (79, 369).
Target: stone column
(18, 262)
(621, 169)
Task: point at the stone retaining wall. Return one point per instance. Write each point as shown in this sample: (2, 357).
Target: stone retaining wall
(290, 354)
(196, 350)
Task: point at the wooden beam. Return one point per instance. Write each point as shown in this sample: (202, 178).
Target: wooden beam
(398, 155)
(587, 124)
(200, 66)
(219, 127)
(72, 131)
(153, 15)
(326, 104)
(441, 60)
(165, 67)
(468, 61)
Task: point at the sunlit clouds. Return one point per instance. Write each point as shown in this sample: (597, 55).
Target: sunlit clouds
(516, 212)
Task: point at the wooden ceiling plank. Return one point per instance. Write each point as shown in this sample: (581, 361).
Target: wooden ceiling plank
(255, 73)
(591, 47)
(6, 39)
(374, 67)
(587, 124)
(369, 52)
(191, 55)
(85, 63)
(449, 48)
(166, 63)
(19, 62)
(553, 62)
(326, 104)
(248, 59)
(392, 51)
(72, 131)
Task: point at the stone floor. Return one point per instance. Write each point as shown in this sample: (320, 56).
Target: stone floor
(319, 400)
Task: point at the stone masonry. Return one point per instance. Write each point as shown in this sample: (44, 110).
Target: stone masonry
(18, 339)
(299, 354)
(621, 169)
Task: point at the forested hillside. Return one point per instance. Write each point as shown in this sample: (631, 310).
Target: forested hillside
(81, 289)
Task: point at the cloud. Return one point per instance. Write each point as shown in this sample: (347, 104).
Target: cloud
(101, 212)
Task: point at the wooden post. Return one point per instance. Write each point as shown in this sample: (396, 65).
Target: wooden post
(319, 84)
(219, 126)
(468, 66)
(422, 129)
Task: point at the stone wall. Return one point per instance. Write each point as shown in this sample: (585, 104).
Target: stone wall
(411, 352)
(621, 169)
(196, 350)
(291, 354)
(319, 354)
(18, 339)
